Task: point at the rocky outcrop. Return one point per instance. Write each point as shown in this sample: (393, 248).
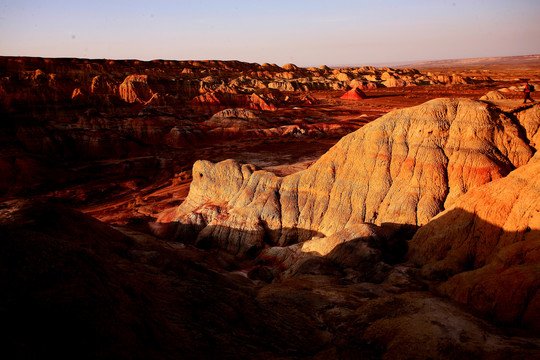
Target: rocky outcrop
(354, 94)
(135, 88)
(403, 168)
(493, 95)
(100, 85)
(235, 118)
(217, 99)
(290, 67)
(394, 82)
(488, 247)
(256, 102)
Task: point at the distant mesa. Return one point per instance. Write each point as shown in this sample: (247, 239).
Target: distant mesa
(215, 99)
(100, 85)
(354, 94)
(341, 76)
(394, 82)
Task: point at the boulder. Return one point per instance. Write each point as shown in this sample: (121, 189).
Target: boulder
(325, 245)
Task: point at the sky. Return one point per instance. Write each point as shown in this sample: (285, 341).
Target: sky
(306, 33)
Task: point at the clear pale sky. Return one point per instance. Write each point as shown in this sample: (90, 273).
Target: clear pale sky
(307, 33)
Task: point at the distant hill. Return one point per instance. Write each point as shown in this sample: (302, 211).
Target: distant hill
(518, 62)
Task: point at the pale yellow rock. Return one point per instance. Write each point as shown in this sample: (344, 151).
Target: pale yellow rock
(343, 77)
(394, 82)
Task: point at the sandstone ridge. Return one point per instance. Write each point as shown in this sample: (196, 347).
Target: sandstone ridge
(403, 168)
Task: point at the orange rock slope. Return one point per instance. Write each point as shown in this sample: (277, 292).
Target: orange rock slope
(488, 247)
(354, 94)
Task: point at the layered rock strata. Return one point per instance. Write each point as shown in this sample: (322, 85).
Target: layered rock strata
(487, 246)
(403, 168)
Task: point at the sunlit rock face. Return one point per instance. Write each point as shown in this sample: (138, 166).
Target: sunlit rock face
(488, 247)
(403, 168)
(135, 89)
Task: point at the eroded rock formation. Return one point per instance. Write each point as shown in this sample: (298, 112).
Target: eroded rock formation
(135, 89)
(403, 168)
(354, 94)
(487, 244)
(493, 95)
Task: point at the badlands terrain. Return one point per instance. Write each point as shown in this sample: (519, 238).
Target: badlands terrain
(230, 210)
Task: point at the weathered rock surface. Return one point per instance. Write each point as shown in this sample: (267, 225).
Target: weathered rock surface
(135, 89)
(403, 168)
(488, 247)
(235, 118)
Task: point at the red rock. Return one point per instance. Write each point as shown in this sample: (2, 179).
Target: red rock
(354, 94)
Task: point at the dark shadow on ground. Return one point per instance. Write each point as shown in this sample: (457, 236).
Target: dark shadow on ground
(75, 287)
